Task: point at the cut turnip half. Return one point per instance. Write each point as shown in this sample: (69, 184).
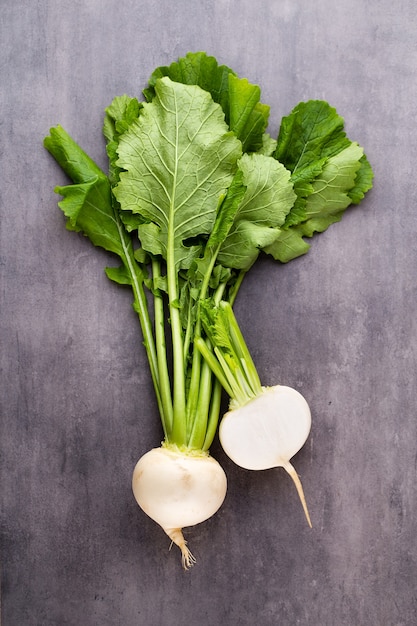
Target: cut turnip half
(267, 432)
(265, 426)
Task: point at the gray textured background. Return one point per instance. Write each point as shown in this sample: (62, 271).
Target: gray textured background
(338, 324)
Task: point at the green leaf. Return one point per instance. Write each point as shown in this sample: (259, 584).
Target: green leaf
(328, 199)
(119, 275)
(217, 325)
(72, 159)
(329, 172)
(88, 207)
(307, 138)
(268, 198)
(363, 181)
(196, 68)
(288, 245)
(243, 245)
(313, 130)
(88, 203)
(91, 208)
(246, 116)
(179, 160)
(118, 117)
(330, 189)
(269, 192)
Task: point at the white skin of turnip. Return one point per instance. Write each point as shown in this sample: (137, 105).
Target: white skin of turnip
(267, 432)
(178, 489)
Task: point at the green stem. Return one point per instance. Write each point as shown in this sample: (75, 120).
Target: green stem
(235, 288)
(198, 433)
(148, 339)
(238, 391)
(141, 308)
(178, 432)
(214, 414)
(188, 335)
(242, 351)
(196, 412)
(164, 380)
(214, 364)
(230, 362)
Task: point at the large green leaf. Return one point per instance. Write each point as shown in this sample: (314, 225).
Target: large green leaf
(246, 116)
(179, 159)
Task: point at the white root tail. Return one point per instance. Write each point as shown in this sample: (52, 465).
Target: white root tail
(297, 482)
(187, 558)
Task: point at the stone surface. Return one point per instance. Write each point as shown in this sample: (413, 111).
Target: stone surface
(339, 324)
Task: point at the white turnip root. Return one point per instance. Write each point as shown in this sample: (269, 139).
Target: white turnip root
(178, 489)
(267, 432)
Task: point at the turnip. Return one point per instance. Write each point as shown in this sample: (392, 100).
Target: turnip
(268, 431)
(265, 426)
(196, 189)
(177, 489)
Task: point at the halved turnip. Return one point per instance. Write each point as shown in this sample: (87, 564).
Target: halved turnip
(268, 431)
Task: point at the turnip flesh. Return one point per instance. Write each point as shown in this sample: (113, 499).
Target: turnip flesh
(267, 432)
(178, 489)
